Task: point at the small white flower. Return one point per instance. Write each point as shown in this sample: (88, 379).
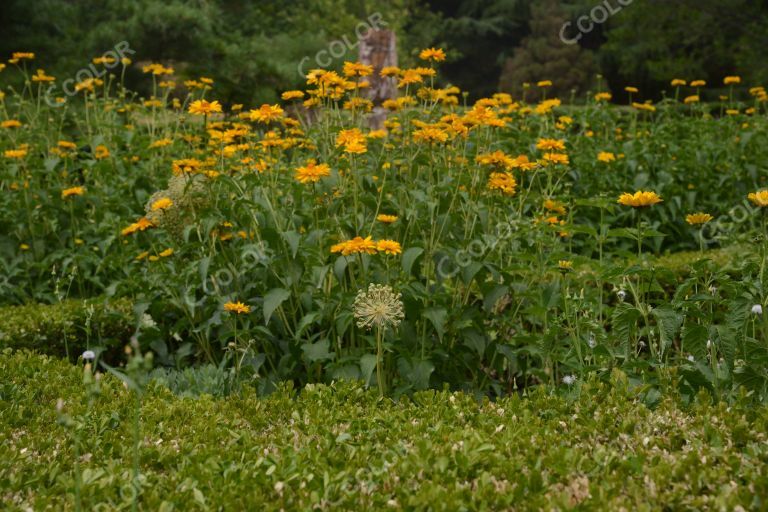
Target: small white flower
(757, 309)
(147, 322)
(592, 342)
(622, 294)
(568, 380)
(89, 355)
(713, 289)
(690, 358)
(709, 344)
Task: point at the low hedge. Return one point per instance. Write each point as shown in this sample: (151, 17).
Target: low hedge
(65, 327)
(593, 446)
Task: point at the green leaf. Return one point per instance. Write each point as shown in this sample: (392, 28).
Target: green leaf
(293, 238)
(437, 316)
(409, 258)
(272, 301)
(367, 365)
(668, 321)
(491, 297)
(416, 372)
(319, 351)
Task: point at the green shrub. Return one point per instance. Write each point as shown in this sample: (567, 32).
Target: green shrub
(341, 447)
(67, 328)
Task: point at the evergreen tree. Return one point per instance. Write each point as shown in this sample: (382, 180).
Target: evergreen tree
(544, 56)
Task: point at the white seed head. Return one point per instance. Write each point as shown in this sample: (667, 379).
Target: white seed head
(378, 306)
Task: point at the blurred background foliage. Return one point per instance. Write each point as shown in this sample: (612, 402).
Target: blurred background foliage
(253, 49)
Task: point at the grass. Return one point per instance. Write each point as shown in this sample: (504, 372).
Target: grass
(595, 446)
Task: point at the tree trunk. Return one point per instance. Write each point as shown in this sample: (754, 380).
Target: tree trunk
(378, 48)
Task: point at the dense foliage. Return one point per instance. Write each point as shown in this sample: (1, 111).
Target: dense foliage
(340, 447)
(480, 246)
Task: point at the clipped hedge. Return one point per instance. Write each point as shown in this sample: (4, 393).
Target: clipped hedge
(341, 447)
(54, 329)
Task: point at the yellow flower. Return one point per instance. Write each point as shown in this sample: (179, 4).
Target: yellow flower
(691, 99)
(565, 265)
(266, 114)
(390, 71)
(160, 143)
(759, 198)
(430, 135)
(15, 153)
(389, 247)
(101, 152)
(603, 96)
(73, 191)
(292, 95)
(140, 225)
(237, 307)
(386, 219)
(162, 204)
(544, 83)
(433, 54)
(24, 247)
(698, 83)
(141, 255)
(639, 199)
(204, 108)
(732, 80)
(550, 144)
(633, 90)
(353, 69)
(10, 123)
(353, 141)
(357, 245)
(697, 219)
(502, 181)
(23, 55)
(556, 158)
(40, 76)
(644, 106)
(678, 82)
(166, 253)
(554, 206)
(606, 156)
(312, 172)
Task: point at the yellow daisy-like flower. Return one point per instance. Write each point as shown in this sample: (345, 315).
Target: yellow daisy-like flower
(10, 123)
(237, 307)
(389, 247)
(729, 80)
(677, 82)
(565, 265)
(694, 98)
(204, 108)
(698, 83)
(73, 191)
(639, 199)
(386, 219)
(759, 198)
(433, 54)
(554, 206)
(354, 69)
(15, 153)
(544, 83)
(502, 181)
(698, 219)
(633, 90)
(557, 158)
(606, 156)
(292, 95)
(166, 253)
(162, 204)
(266, 114)
(140, 225)
(357, 245)
(603, 96)
(101, 152)
(161, 143)
(312, 172)
(550, 145)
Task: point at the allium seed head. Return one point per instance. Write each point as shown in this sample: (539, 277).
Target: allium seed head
(379, 306)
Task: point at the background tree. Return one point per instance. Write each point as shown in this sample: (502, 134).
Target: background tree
(544, 56)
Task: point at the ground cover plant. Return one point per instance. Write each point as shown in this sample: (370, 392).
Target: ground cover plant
(504, 248)
(341, 447)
